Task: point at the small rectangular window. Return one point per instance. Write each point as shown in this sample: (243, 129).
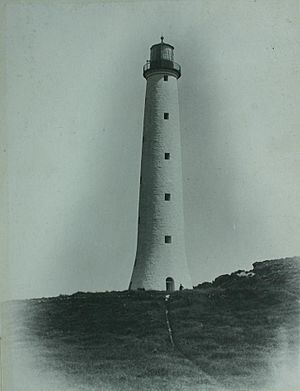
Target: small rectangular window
(167, 196)
(167, 156)
(166, 78)
(166, 115)
(168, 239)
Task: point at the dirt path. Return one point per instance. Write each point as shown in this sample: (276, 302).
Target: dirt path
(209, 379)
(170, 331)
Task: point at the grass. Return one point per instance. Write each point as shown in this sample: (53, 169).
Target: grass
(227, 337)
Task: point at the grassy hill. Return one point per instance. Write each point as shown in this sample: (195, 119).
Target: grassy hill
(240, 332)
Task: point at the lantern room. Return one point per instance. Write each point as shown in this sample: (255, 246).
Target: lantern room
(162, 59)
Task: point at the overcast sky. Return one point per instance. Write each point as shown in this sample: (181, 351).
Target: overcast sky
(74, 116)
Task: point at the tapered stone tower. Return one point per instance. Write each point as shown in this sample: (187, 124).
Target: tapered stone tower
(160, 262)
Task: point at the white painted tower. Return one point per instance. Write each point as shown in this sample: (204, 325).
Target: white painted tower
(160, 262)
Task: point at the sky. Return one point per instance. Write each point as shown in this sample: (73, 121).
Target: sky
(73, 104)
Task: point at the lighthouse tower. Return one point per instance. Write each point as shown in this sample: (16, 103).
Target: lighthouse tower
(160, 262)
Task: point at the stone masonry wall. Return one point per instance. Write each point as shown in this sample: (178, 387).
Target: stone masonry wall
(155, 259)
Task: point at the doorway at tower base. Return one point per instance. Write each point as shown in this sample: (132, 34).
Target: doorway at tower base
(170, 284)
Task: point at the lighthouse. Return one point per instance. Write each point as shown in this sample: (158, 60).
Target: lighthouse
(160, 262)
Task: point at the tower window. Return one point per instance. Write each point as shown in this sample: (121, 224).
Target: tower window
(167, 156)
(168, 239)
(166, 115)
(167, 196)
(165, 77)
